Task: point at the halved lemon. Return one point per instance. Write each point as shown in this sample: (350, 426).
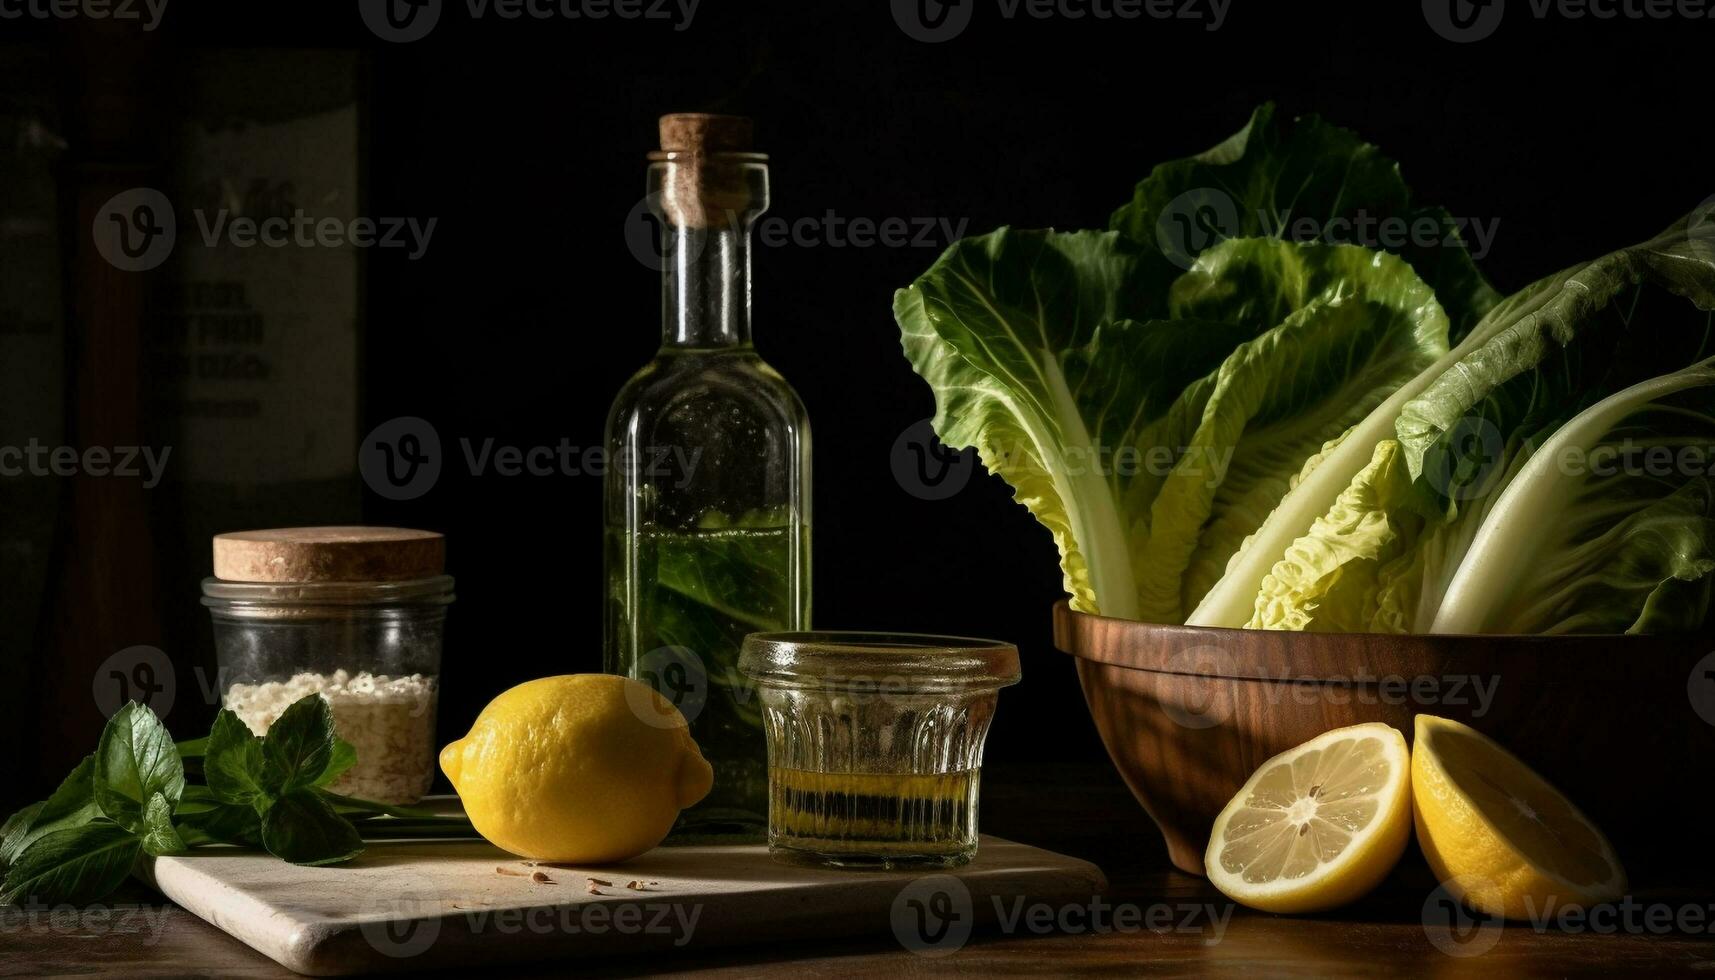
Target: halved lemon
(1498, 836)
(1316, 826)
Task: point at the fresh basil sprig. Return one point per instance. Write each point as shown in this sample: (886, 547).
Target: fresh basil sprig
(232, 763)
(135, 762)
(132, 797)
(72, 805)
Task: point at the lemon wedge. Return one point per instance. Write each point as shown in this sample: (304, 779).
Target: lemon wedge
(1316, 826)
(1497, 835)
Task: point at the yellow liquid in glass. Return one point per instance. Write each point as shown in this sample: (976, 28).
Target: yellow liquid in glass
(874, 818)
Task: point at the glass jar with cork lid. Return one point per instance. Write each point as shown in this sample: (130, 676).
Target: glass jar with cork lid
(354, 614)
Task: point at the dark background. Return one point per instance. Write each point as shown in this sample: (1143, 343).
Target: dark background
(526, 140)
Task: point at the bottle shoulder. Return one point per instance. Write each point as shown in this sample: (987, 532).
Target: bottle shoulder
(737, 383)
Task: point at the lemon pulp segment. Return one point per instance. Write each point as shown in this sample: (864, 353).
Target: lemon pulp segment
(1318, 825)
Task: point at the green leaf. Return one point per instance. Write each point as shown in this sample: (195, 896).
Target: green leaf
(344, 756)
(21, 819)
(224, 823)
(75, 794)
(1356, 327)
(1578, 545)
(1452, 405)
(193, 748)
(299, 746)
(303, 828)
(76, 866)
(135, 759)
(1030, 343)
(1612, 322)
(1331, 579)
(195, 799)
(13, 832)
(1217, 409)
(71, 805)
(158, 835)
(233, 763)
(1276, 172)
(1628, 555)
(712, 588)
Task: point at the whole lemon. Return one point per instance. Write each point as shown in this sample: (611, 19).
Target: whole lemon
(581, 768)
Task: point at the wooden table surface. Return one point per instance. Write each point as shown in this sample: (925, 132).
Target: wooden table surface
(1084, 811)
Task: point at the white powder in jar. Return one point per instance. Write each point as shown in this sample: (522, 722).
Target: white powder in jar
(389, 720)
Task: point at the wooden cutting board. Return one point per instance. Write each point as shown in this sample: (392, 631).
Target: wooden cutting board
(432, 904)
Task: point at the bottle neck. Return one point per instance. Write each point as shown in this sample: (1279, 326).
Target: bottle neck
(706, 203)
(705, 286)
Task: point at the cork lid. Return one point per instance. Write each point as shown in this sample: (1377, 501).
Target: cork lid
(329, 554)
(703, 132)
(708, 159)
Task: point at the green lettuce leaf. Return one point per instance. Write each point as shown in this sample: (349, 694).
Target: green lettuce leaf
(1028, 340)
(1555, 348)
(1357, 325)
(1025, 339)
(1332, 579)
(1540, 357)
(1610, 527)
(1277, 172)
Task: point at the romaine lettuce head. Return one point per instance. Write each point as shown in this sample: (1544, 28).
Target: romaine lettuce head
(1131, 439)
(1437, 537)
(1230, 428)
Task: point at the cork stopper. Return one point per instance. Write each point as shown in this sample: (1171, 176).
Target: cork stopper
(707, 184)
(329, 554)
(702, 132)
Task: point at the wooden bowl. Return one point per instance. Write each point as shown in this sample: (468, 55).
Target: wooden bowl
(1623, 725)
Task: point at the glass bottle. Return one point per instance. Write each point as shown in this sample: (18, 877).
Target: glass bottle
(708, 488)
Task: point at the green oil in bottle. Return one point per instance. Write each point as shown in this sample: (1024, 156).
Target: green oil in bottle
(683, 601)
